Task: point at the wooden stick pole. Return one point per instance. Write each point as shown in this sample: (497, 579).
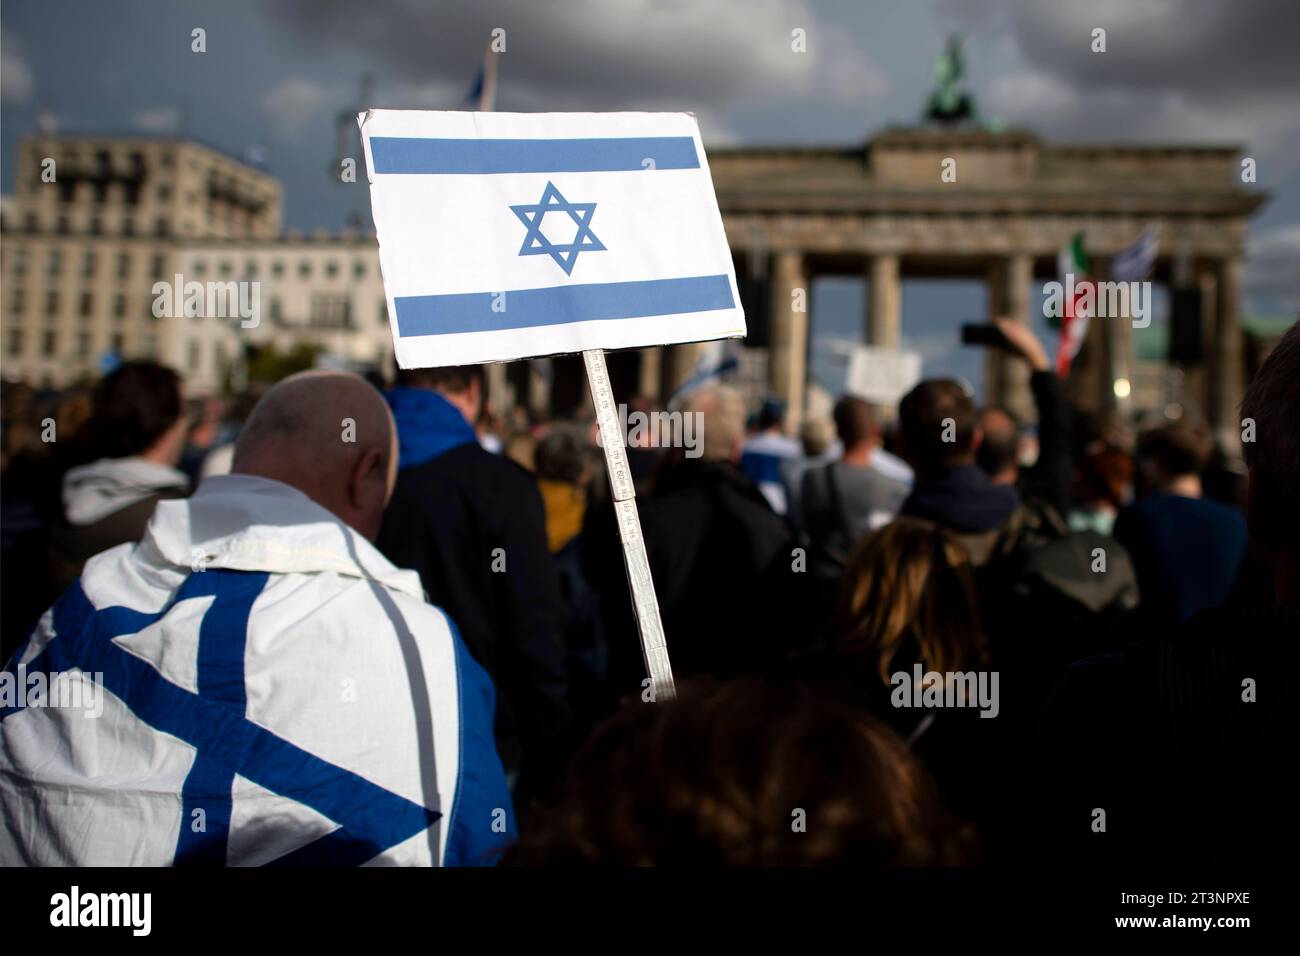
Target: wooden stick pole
(653, 646)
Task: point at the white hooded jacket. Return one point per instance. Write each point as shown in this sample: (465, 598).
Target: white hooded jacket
(95, 491)
(270, 690)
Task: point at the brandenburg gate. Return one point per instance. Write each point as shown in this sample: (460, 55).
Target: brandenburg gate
(1010, 202)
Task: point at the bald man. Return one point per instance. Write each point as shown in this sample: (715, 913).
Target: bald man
(254, 683)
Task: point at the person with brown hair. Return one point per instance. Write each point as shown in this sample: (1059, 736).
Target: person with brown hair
(745, 773)
(134, 441)
(909, 596)
(1102, 488)
(844, 499)
(909, 626)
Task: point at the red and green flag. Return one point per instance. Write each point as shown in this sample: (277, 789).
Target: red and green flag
(1076, 306)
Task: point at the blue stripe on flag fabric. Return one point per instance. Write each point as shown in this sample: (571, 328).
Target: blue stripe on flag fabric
(1134, 261)
(402, 155)
(374, 819)
(559, 305)
(223, 637)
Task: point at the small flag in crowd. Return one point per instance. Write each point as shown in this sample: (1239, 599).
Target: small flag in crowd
(515, 235)
(1133, 262)
(482, 93)
(1072, 264)
(716, 360)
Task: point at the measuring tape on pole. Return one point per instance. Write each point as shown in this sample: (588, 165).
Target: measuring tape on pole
(649, 623)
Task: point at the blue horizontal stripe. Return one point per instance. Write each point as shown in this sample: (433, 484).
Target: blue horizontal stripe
(559, 305)
(415, 155)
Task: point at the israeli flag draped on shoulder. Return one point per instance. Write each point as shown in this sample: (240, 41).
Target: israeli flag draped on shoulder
(515, 235)
(259, 686)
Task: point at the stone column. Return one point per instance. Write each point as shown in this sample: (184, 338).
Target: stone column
(500, 395)
(1117, 336)
(885, 306)
(1007, 377)
(539, 389)
(1224, 349)
(650, 373)
(788, 368)
(682, 360)
(1197, 388)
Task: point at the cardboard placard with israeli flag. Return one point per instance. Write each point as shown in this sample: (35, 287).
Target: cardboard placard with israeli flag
(521, 235)
(518, 235)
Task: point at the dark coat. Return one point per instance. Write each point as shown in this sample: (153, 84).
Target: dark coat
(722, 566)
(1181, 738)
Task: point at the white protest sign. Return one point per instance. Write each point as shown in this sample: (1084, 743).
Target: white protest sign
(516, 235)
(882, 376)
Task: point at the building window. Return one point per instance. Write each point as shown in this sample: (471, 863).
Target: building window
(17, 301)
(96, 226)
(159, 265)
(87, 307)
(119, 343)
(162, 227)
(164, 192)
(331, 268)
(250, 268)
(49, 343)
(15, 341)
(119, 305)
(20, 261)
(123, 264)
(304, 268)
(359, 269)
(275, 309)
(128, 226)
(277, 268)
(200, 267)
(83, 344)
(383, 311)
(55, 262)
(194, 354)
(62, 225)
(52, 302)
(33, 222)
(88, 263)
(330, 312)
(226, 268)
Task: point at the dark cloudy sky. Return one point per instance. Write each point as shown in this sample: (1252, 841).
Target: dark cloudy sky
(276, 74)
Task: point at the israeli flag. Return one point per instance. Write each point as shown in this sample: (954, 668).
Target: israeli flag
(514, 235)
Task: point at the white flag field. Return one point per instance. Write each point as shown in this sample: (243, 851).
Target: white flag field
(516, 235)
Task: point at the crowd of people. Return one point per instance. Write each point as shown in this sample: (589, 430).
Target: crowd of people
(919, 635)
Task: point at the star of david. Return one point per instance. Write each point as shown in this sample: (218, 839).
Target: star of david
(370, 818)
(537, 244)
